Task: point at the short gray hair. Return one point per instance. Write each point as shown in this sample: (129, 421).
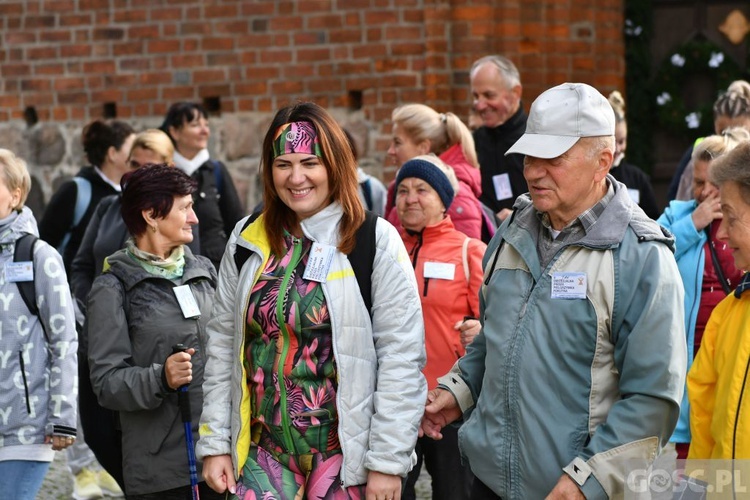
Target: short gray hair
(733, 166)
(505, 66)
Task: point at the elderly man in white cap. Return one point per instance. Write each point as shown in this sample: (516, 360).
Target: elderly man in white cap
(576, 378)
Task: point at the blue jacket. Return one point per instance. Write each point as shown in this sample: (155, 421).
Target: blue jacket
(587, 386)
(677, 218)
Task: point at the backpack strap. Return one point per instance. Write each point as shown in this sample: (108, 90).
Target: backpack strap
(465, 258)
(83, 200)
(218, 177)
(24, 252)
(363, 256)
(367, 193)
(241, 254)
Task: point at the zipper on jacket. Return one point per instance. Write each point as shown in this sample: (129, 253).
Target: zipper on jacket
(25, 382)
(736, 420)
(414, 252)
(426, 282)
(284, 340)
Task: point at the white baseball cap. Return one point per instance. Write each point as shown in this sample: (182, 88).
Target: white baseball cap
(562, 115)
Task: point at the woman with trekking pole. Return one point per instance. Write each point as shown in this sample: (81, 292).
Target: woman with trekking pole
(146, 324)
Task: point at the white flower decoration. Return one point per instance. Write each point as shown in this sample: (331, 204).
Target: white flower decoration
(632, 30)
(663, 98)
(716, 59)
(678, 60)
(693, 120)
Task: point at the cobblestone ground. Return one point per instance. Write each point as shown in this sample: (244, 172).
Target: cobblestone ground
(58, 484)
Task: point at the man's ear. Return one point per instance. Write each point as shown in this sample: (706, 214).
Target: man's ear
(606, 156)
(517, 91)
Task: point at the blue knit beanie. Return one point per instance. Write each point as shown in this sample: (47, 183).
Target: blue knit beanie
(431, 174)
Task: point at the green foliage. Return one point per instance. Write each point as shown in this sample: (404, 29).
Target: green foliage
(639, 104)
(693, 58)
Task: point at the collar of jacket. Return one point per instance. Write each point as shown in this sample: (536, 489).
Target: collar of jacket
(610, 228)
(517, 120)
(744, 285)
(429, 233)
(130, 273)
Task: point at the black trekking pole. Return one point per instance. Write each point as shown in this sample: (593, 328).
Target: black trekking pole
(183, 402)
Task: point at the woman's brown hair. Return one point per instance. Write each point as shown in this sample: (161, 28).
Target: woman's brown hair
(340, 164)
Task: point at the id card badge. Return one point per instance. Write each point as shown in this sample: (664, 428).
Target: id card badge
(17, 272)
(318, 262)
(187, 301)
(503, 191)
(568, 285)
(439, 270)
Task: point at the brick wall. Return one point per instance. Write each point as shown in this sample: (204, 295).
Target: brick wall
(75, 60)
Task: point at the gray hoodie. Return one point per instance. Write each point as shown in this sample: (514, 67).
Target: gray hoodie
(38, 370)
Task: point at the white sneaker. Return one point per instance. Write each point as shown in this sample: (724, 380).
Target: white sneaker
(85, 486)
(108, 485)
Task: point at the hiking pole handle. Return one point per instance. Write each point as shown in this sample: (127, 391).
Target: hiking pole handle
(183, 397)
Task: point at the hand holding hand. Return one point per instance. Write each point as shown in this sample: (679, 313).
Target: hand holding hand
(468, 329)
(441, 409)
(566, 489)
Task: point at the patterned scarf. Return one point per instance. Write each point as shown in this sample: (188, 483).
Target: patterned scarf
(170, 268)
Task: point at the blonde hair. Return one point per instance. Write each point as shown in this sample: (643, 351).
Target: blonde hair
(443, 130)
(154, 140)
(618, 105)
(717, 145)
(735, 101)
(15, 175)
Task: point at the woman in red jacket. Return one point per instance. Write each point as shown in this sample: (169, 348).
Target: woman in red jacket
(420, 130)
(448, 266)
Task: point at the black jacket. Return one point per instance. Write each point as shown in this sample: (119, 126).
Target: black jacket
(491, 145)
(218, 209)
(636, 179)
(58, 217)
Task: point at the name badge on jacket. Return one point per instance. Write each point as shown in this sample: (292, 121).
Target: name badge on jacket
(187, 302)
(318, 262)
(568, 285)
(16, 272)
(439, 270)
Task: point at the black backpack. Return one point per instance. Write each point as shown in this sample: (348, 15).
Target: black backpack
(361, 258)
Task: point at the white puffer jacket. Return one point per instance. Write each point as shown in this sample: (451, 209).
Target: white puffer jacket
(381, 389)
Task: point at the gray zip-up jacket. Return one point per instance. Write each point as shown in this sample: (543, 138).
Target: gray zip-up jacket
(381, 392)
(38, 370)
(133, 321)
(590, 386)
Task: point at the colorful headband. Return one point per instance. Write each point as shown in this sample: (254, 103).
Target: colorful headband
(296, 137)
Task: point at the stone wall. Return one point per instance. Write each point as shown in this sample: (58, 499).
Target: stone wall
(53, 151)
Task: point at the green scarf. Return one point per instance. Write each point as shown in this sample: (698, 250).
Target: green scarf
(171, 268)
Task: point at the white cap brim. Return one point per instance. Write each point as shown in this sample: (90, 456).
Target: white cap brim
(543, 146)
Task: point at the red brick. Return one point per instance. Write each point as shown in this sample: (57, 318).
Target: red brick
(54, 36)
(217, 43)
(131, 15)
(151, 31)
(255, 88)
(222, 59)
(209, 76)
(19, 37)
(15, 70)
(276, 56)
(286, 87)
(134, 64)
(48, 69)
(381, 17)
(99, 67)
(8, 8)
(35, 22)
(328, 21)
(187, 60)
(217, 90)
(163, 46)
(160, 78)
(176, 93)
(81, 97)
(286, 23)
(213, 11)
(127, 48)
(142, 94)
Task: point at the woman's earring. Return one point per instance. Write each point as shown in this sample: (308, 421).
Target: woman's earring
(153, 228)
